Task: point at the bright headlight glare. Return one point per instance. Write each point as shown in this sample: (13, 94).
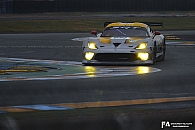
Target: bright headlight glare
(89, 55)
(143, 70)
(92, 45)
(142, 45)
(143, 56)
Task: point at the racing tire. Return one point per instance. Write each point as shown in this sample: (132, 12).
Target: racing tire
(162, 57)
(154, 55)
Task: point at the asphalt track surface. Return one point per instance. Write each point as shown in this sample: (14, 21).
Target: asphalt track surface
(175, 80)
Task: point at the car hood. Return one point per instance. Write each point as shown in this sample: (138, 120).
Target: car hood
(128, 40)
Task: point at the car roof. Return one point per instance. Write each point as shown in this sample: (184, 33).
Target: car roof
(120, 24)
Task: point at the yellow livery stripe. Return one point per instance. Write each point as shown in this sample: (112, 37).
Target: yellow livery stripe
(105, 40)
(119, 24)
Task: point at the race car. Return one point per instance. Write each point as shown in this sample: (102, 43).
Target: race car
(125, 43)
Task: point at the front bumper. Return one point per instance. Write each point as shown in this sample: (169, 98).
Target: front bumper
(122, 57)
(95, 62)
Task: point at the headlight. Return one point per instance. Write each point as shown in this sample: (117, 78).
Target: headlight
(92, 45)
(89, 55)
(143, 56)
(142, 45)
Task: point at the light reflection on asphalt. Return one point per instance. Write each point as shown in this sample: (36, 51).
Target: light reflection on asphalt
(29, 69)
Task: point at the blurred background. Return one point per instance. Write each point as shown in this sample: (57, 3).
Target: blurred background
(42, 6)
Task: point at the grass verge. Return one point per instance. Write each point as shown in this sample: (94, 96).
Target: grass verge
(88, 23)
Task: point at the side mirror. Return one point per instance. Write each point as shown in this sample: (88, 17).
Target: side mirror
(157, 33)
(94, 32)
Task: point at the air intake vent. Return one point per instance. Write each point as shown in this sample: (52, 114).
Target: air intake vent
(116, 44)
(128, 57)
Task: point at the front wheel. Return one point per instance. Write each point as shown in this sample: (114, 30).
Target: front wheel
(162, 57)
(154, 55)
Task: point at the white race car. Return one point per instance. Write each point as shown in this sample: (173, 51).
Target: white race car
(124, 43)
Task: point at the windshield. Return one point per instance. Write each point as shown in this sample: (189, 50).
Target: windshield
(125, 31)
